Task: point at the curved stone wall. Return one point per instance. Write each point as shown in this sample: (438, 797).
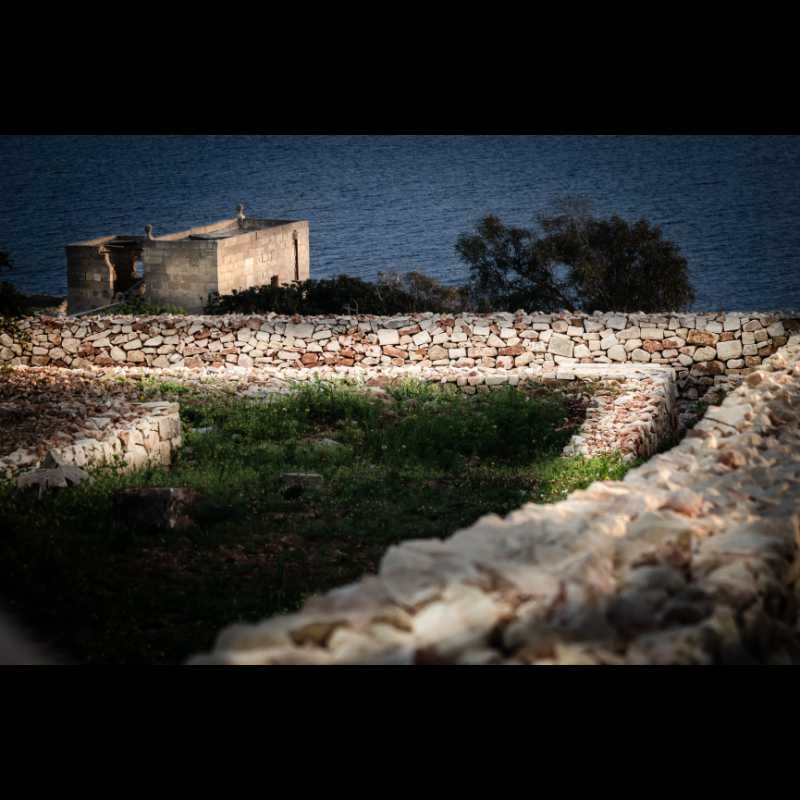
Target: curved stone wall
(692, 558)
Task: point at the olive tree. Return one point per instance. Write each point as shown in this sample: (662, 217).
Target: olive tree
(573, 259)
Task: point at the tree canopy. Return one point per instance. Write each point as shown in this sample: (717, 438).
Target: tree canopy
(574, 260)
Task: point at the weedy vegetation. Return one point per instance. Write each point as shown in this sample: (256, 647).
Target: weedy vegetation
(412, 461)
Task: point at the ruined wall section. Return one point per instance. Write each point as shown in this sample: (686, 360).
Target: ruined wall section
(252, 259)
(89, 279)
(181, 273)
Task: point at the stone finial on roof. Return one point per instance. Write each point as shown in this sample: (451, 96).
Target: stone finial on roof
(240, 214)
(148, 231)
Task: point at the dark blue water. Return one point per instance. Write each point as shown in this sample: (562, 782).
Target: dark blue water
(732, 204)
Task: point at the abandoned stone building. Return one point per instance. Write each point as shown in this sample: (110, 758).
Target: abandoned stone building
(184, 268)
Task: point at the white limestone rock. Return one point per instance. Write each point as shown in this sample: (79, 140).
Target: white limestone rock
(616, 323)
(388, 336)
(608, 341)
(561, 345)
(704, 354)
(729, 349)
(617, 353)
(776, 329)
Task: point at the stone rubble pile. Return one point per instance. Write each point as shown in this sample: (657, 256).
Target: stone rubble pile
(691, 559)
(698, 346)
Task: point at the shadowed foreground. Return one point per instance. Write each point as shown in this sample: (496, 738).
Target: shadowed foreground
(692, 559)
(408, 462)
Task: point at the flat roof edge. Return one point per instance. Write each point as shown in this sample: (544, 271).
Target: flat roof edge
(196, 231)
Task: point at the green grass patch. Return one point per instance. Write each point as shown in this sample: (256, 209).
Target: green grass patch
(422, 462)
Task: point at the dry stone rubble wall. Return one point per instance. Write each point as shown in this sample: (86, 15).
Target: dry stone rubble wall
(699, 347)
(692, 558)
(130, 435)
(632, 409)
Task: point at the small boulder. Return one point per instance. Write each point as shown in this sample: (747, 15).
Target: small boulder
(296, 483)
(54, 478)
(156, 507)
(329, 444)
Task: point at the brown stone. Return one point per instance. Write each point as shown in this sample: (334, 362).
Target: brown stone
(515, 350)
(309, 359)
(409, 331)
(652, 346)
(344, 362)
(752, 361)
(708, 368)
(394, 352)
(701, 338)
(156, 508)
(727, 336)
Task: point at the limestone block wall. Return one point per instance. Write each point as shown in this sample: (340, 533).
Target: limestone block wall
(252, 259)
(182, 272)
(692, 559)
(699, 347)
(131, 435)
(89, 278)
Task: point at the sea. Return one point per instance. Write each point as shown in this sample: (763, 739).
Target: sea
(398, 203)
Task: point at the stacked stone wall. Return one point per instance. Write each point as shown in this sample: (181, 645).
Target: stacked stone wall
(130, 435)
(694, 558)
(700, 347)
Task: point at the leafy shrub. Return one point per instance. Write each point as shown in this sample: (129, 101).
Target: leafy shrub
(426, 293)
(13, 304)
(391, 294)
(139, 307)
